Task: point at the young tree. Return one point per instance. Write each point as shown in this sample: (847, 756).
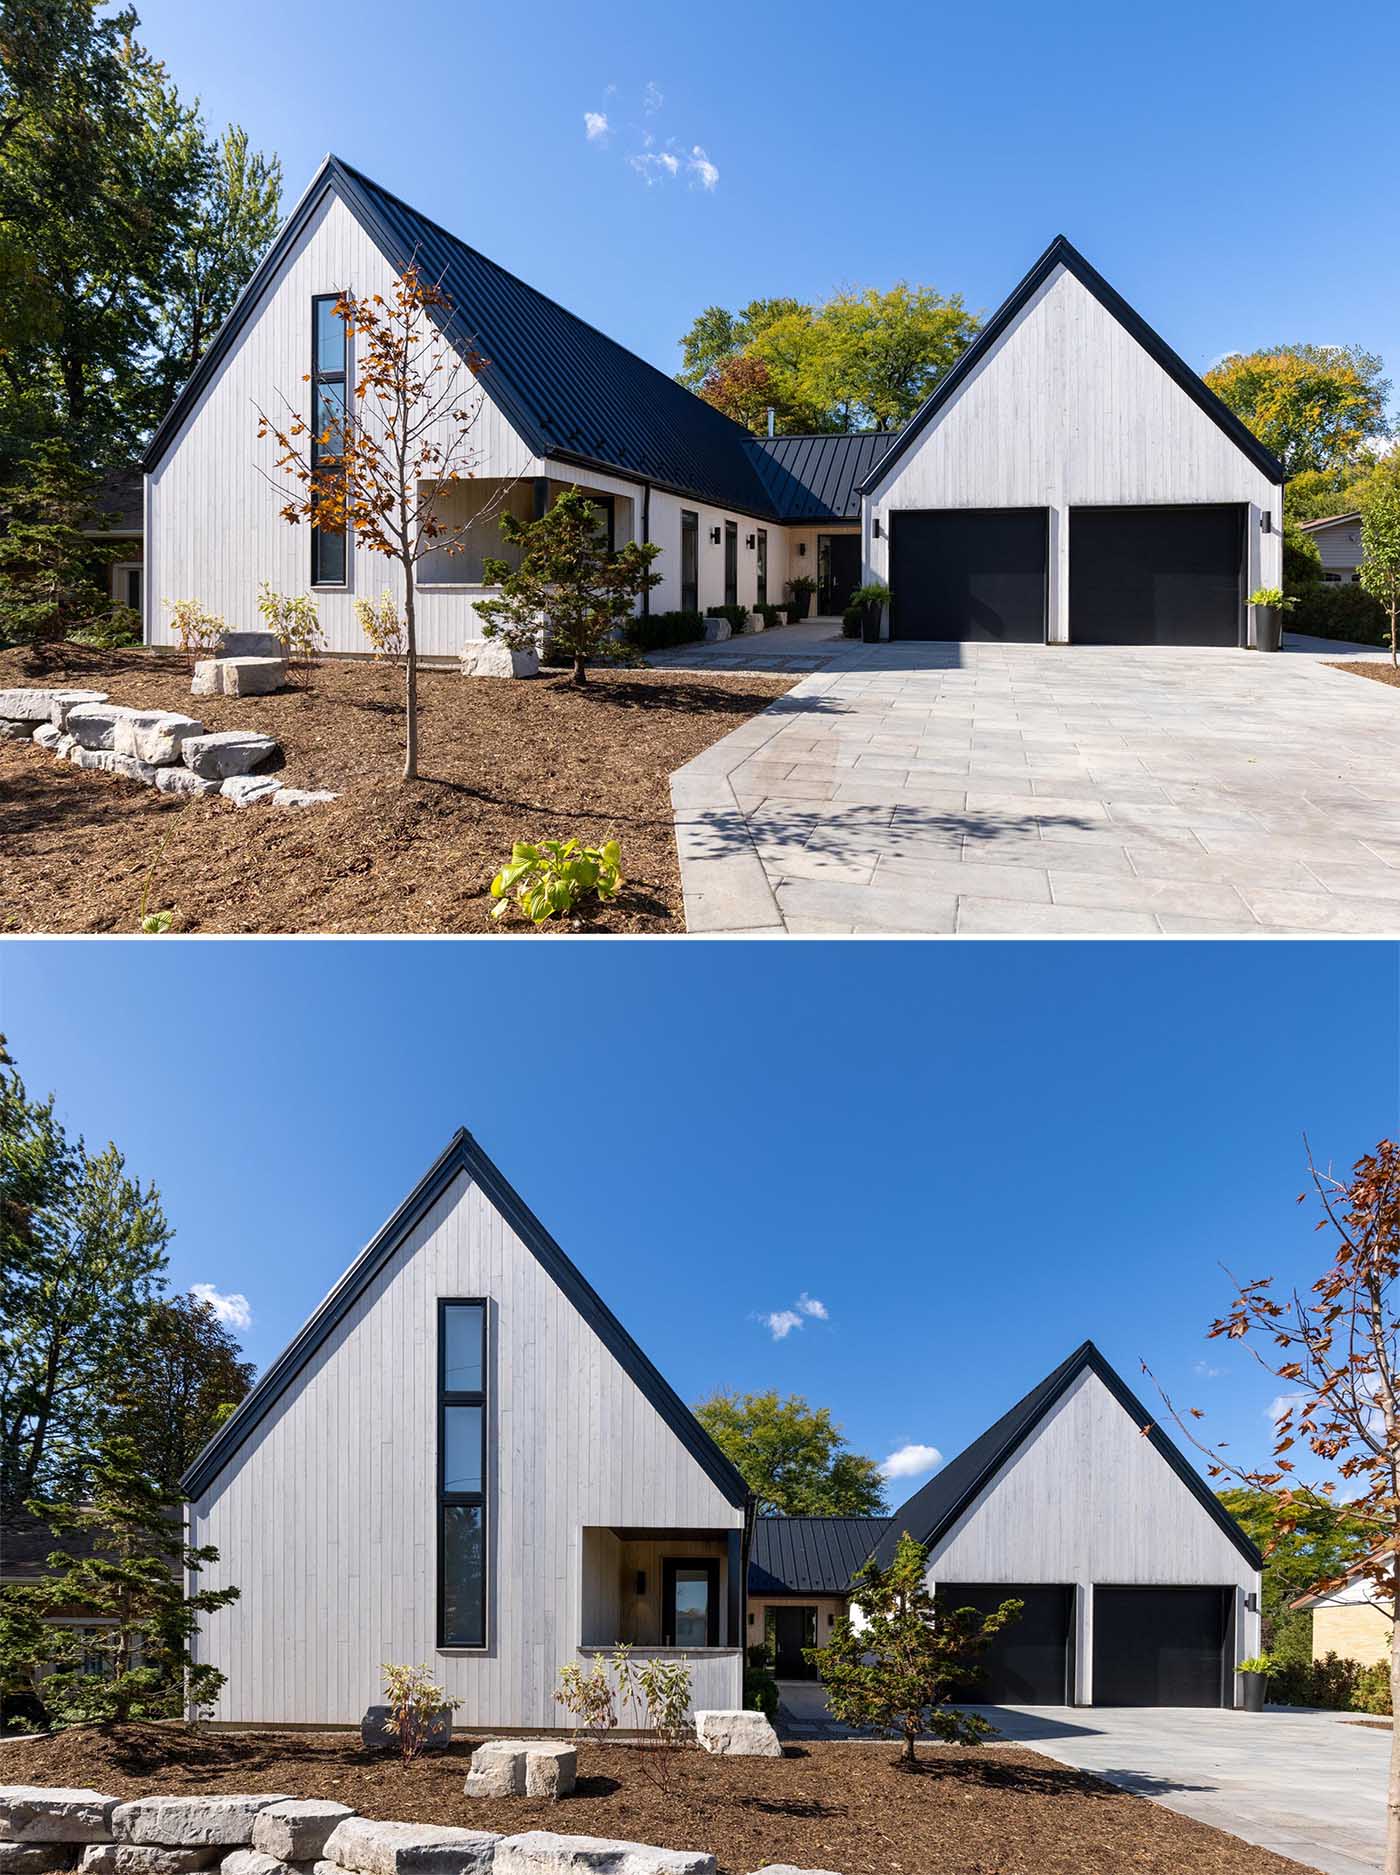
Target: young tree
(383, 469)
(1333, 1348)
(1313, 405)
(1380, 551)
(180, 1381)
(909, 1657)
(792, 1456)
(570, 585)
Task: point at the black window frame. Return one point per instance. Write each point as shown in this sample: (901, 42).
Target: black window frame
(690, 560)
(318, 378)
(761, 568)
(731, 563)
(669, 1566)
(608, 504)
(449, 1397)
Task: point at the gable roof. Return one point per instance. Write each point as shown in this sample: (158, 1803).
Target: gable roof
(936, 1506)
(810, 1555)
(818, 478)
(1060, 253)
(1329, 520)
(464, 1155)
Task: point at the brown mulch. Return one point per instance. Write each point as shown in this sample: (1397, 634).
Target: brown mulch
(1380, 673)
(966, 1811)
(499, 762)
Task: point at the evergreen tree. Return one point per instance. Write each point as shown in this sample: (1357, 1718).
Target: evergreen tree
(48, 566)
(181, 1380)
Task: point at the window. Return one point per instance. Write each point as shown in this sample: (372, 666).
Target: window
(731, 563)
(461, 1474)
(690, 561)
(602, 506)
(1334, 578)
(126, 583)
(690, 1606)
(328, 394)
(762, 596)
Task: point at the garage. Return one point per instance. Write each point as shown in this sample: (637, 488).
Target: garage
(1157, 576)
(1160, 1646)
(969, 574)
(1029, 1662)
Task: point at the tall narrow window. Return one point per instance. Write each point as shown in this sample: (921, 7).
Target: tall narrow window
(328, 396)
(731, 563)
(690, 561)
(762, 594)
(462, 1474)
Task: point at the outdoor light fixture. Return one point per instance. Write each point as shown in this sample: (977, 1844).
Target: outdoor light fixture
(802, 550)
(748, 542)
(1266, 522)
(1251, 1602)
(875, 527)
(641, 1582)
(714, 537)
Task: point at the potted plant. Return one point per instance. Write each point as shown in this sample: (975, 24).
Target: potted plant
(802, 587)
(872, 600)
(1269, 607)
(1254, 1674)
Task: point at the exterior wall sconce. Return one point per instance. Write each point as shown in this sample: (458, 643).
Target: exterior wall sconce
(1251, 1602)
(748, 542)
(802, 550)
(641, 1582)
(1266, 522)
(875, 527)
(714, 537)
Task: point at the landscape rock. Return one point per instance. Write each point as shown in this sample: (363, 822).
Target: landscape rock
(111, 763)
(93, 725)
(550, 1770)
(488, 657)
(129, 1858)
(48, 736)
(498, 1769)
(373, 1848)
(250, 790)
(238, 677)
(36, 1858)
(311, 797)
(255, 1862)
(180, 1822)
(756, 623)
(181, 781)
(65, 700)
(737, 1735)
(227, 752)
(252, 645)
(716, 630)
(38, 705)
(13, 731)
(540, 1852)
(296, 1831)
(374, 1726)
(53, 1813)
(153, 736)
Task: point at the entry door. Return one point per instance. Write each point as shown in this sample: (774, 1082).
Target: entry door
(793, 1629)
(838, 572)
(969, 574)
(690, 1595)
(731, 563)
(1029, 1662)
(1160, 1646)
(1156, 576)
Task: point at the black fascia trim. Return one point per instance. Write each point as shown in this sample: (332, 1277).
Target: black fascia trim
(1086, 1356)
(464, 1155)
(1062, 252)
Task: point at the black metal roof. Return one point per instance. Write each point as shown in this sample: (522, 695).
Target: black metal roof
(464, 1155)
(810, 1555)
(937, 1505)
(818, 478)
(1061, 253)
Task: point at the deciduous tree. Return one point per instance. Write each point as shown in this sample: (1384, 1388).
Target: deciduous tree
(1380, 551)
(1313, 405)
(179, 1382)
(793, 1456)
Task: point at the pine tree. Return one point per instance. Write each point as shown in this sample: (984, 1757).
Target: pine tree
(48, 566)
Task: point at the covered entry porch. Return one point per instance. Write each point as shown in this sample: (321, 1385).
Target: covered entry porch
(670, 1593)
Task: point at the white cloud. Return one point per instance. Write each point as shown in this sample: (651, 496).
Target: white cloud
(652, 98)
(809, 1305)
(1283, 1403)
(1206, 1371)
(656, 166)
(781, 1322)
(595, 125)
(234, 1310)
(911, 1461)
(700, 166)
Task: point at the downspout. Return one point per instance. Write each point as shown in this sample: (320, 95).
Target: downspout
(646, 536)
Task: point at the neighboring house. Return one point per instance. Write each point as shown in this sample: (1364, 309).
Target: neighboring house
(1071, 479)
(118, 503)
(1338, 542)
(1139, 1588)
(26, 1544)
(1355, 1619)
(463, 1458)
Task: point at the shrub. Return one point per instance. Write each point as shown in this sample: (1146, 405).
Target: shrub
(851, 621)
(1333, 1683)
(661, 629)
(414, 1699)
(761, 1692)
(771, 614)
(553, 876)
(658, 1698)
(117, 629)
(295, 622)
(738, 615)
(1302, 561)
(588, 1699)
(198, 631)
(381, 623)
(793, 608)
(1346, 612)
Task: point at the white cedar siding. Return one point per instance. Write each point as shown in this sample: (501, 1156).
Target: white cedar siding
(1068, 410)
(214, 530)
(1088, 1499)
(326, 1518)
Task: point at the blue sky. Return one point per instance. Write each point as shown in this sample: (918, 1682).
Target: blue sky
(971, 1156)
(1230, 169)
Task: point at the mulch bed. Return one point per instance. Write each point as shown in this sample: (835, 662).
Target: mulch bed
(1379, 673)
(967, 1811)
(500, 761)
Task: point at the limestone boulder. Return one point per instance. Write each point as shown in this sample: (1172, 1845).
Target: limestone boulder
(250, 790)
(255, 1862)
(737, 1735)
(53, 1813)
(252, 645)
(541, 1852)
(490, 658)
(37, 1858)
(296, 1831)
(238, 677)
(129, 767)
(154, 736)
(374, 1726)
(94, 725)
(498, 1769)
(306, 797)
(48, 736)
(38, 705)
(550, 1770)
(13, 731)
(66, 700)
(185, 1822)
(179, 780)
(129, 1858)
(716, 630)
(227, 752)
(372, 1848)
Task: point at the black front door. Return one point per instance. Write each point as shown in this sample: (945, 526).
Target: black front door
(1160, 1647)
(838, 572)
(969, 575)
(793, 1629)
(1028, 1663)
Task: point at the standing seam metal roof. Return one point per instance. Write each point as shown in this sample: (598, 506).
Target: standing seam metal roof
(810, 1555)
(819, 477)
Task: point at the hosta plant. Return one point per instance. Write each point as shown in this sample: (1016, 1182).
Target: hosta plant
(555, 876)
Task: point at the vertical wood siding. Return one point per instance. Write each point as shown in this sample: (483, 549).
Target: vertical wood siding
(326, 1517)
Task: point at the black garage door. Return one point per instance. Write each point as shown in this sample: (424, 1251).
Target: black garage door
(1028, 1663)
(1160, 1647)
(1155, 576)
(968, 573)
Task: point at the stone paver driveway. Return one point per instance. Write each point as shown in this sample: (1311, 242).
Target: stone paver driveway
(1025, 789)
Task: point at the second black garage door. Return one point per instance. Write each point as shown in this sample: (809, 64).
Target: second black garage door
(1028, 1663)
(1155, 576)
(1160, 1647)
(960, 574)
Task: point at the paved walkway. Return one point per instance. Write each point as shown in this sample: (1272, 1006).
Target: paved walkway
(1025, 789)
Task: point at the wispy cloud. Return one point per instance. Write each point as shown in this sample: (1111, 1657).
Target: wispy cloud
(701, 168)
(655, 165)
(781, 1323)
(911, 1461)
(1284, 1403)
(596, 126)
(809, 1305)
(233, 1310)
(652, 98)
(1204, 1371)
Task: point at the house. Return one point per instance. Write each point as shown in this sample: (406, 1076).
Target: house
(1070, 480)
(1139, 1589)
(1338, 541)
(1354, 1619)
(464, 1458)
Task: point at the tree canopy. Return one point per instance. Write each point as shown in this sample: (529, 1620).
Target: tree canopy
(1315, 406)
(793, 1456)
(1321, 1546)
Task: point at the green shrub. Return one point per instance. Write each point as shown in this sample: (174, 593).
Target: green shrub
(553, 876)
(761, 1692)
(1347, 612)
(851, 621)
(738, 615)
(771, 614)
(1302, 562)
(1334, 1684)
(793, 608)
(661, 629)
(115, 630)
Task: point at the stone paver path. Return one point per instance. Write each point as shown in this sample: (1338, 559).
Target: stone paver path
(1025, 790)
